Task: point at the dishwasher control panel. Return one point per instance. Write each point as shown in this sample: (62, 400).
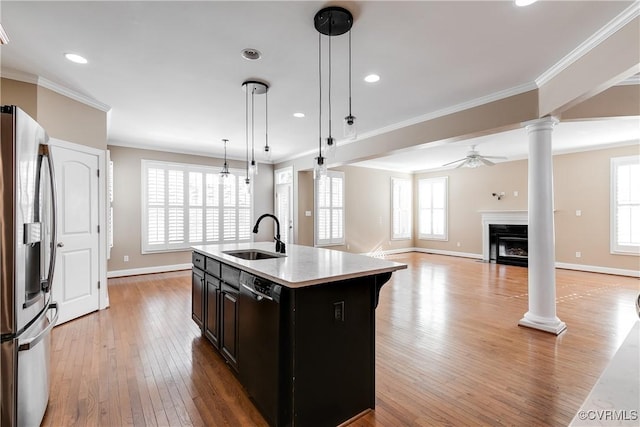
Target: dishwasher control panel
(260, 287)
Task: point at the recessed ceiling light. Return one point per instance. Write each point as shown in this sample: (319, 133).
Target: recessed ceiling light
(523, 3)
(251, 54)
(76, 58)
(298, 115)
(372, 78)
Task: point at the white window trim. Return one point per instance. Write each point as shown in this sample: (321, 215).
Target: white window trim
(440, 237)
(615, 248)
(330, 241)
(187, 167)
(408, 235)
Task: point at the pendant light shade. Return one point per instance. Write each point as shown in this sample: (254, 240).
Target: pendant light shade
(224, 172)
(253, 88)
(331, 22)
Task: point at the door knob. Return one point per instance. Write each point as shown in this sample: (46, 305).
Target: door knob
(60, 244)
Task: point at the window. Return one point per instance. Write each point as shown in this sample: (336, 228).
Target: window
(401, 208)
(432, 214)
(329, 197)
(625, 205)
(185, 205)
(110, 210)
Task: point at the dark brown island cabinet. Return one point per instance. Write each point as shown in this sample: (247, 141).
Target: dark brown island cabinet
(302, 346)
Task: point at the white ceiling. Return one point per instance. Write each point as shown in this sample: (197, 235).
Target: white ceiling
(171, 71)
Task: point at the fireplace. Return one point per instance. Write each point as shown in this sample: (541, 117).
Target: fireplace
(501, 218)
(508, 244)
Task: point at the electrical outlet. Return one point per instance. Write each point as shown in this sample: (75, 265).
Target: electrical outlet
(458, 244)
(338, 311)
(515, 194)
(578, 212)
(578, 254)
(126, 258)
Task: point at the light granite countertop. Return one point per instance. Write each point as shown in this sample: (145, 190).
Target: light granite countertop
(303, 265)
(615, 399)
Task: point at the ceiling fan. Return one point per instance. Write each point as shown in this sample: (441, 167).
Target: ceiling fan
(474, 159)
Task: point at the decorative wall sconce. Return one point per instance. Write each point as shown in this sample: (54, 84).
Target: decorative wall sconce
(498, 196)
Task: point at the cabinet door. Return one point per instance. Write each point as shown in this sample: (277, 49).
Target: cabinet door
(229, 330)
(212, 323)
(197, 296)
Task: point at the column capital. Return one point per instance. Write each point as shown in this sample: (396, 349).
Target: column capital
(547, 123)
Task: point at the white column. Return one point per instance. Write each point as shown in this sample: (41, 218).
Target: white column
(542, 278)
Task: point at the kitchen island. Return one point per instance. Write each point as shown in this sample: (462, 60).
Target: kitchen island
(298, 328)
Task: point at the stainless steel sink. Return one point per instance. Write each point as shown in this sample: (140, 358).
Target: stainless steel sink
(252, 254)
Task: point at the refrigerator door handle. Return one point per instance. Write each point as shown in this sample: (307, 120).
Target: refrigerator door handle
(45, 150)
(31, 342)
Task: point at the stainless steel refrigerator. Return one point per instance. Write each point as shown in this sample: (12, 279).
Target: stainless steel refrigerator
(27, 261)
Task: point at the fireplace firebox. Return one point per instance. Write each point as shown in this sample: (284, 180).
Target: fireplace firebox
(508, 244)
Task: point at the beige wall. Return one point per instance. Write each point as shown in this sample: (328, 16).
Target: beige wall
(127, 205)
(24, 95)
(367, 210)
(60, 116)
(581, 182)
(72, 121)
(305, 203)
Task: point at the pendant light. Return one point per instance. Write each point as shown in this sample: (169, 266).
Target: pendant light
(224, 172)
(267, 149)
(350, 131)
(253, 88)
(330, 21)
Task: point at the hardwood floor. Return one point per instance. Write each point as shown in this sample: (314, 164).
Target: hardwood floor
(448, 352)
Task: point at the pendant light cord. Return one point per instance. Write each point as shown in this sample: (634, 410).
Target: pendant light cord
(266, 120)
(320, 97)
(246, 127)
(349, 73)
(330, 35)
(253, 127)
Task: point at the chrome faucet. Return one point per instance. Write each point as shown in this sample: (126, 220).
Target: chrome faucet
(279, 243)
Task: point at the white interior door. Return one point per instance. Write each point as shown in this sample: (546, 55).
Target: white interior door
(75, 285)
(284, 211)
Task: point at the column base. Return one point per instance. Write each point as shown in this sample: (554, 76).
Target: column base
(554, 326)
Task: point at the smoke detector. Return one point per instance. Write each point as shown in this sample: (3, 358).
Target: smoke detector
(251, 54)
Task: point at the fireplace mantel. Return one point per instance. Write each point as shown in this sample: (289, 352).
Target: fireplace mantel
(512, 217)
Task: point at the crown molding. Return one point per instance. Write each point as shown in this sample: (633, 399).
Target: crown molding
(631, 81)
(601, 35)
(496, 96)
(19, 76)
(55, 87)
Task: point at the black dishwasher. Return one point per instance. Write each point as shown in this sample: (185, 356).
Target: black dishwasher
(263, 334)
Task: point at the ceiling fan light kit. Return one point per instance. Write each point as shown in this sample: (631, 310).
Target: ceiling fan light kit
(474, 160)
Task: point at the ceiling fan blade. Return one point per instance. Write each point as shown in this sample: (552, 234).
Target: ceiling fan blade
(462, 164)
(495, 157)
(485, 161)
(455, 161)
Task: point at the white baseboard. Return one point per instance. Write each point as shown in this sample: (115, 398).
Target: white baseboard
(598, 269)
(449, 253)
(562, 265)
(149, 270)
